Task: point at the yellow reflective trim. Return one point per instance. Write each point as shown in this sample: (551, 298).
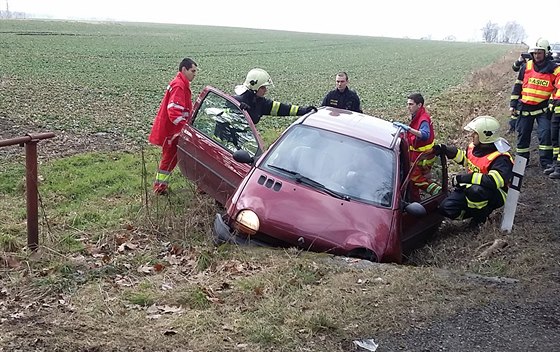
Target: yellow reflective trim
(497, 178)
(517, 81)
(522, 150)
(476, 178)
(163, 176)
(545, 147)
(275, 108)
(503, 194)
(459, 157)
(476, 205)
(434, 188)
(294, 110)
(514, 97)
(424, 148)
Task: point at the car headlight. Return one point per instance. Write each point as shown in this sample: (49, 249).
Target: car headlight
(247, 222)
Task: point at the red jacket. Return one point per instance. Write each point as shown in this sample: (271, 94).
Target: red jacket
(416, 145)
(174, 110)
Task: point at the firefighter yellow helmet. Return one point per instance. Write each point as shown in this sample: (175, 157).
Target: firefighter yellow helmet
(541, 44)
(487, 127)
(257, 78)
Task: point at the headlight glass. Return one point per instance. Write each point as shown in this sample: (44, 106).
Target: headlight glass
(247, 222)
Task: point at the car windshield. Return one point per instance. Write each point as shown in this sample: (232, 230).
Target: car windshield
(339, 165)
(555, 47)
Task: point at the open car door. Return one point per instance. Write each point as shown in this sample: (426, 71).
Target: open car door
(217, 128)
(435, 176)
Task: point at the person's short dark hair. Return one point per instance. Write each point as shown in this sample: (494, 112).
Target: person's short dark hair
(417, 98)
(342, 73)
(187, 63)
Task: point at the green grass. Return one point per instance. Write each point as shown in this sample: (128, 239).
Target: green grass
(110, 77)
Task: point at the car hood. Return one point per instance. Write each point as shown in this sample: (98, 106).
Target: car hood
(301, 215)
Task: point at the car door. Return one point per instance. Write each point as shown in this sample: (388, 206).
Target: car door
(414, 227)
(218, 128)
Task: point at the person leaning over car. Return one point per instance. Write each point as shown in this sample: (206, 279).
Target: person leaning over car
(250, 96)
(483, 188)
(420, 135)
(530, 98)
(174, 110)
(342, 97)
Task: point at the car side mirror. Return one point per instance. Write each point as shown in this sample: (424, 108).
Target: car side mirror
(415, 209)
(243, 156)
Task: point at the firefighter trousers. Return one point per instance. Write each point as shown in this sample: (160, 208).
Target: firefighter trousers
(475, 202)
(524, 128)
(555, 135)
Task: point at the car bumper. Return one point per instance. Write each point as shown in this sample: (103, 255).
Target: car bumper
(223, 234)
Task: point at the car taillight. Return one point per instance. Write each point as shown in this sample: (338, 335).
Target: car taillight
(247, 222)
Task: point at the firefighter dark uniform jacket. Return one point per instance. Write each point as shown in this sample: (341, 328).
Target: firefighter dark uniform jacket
(259, 106)
(416, 145)
(347, 99)
(533, 87)
(486, 167)
(174, 110)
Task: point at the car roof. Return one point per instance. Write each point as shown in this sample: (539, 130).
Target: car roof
(358, 125)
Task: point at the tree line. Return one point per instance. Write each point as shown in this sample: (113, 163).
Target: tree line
(511, 33)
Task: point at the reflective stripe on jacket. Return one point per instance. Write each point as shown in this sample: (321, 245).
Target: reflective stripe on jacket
(175, 108)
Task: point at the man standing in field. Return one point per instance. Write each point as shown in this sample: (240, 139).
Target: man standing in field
(529, 99)
(420, 135)
(175, 108)
(251, 94)
(342, 97)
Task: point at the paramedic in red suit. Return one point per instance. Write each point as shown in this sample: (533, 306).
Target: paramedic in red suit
(174, 111)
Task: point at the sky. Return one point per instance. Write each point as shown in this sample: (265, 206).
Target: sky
(397, 18)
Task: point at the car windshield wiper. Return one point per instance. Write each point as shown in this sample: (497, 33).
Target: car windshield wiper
(310, 182)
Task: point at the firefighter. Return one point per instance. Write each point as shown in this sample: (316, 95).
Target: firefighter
(174, 111)
(420, 136)
(529, 99)
(483, 188)
(251, 94)
(554, 170)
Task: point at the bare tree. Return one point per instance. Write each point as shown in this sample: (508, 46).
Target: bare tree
(490, 32)
(513, 33)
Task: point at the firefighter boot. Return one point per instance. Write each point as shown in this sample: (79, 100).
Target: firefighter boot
(550, 169)
(556, 174)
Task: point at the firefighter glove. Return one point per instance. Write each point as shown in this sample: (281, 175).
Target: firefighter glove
(459, 180)
(310, 109)
(440, 149)
(244, 106)
(401, 125)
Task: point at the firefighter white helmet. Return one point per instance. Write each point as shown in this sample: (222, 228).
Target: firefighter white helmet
(541, 44)
(487, 127)
(257, 78)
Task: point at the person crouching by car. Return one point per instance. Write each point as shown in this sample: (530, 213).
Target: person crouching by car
(483, 187)
(250, 96)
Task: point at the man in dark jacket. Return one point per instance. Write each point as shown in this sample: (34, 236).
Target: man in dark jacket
(251, 94)
(342, 97)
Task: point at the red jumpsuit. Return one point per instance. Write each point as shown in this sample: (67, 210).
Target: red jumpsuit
(175, 109)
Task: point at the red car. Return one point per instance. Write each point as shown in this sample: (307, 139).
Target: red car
(335, 181)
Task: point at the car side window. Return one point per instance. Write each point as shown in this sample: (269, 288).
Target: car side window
(224, 123)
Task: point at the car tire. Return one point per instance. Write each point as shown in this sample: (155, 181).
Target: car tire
(364, 253)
